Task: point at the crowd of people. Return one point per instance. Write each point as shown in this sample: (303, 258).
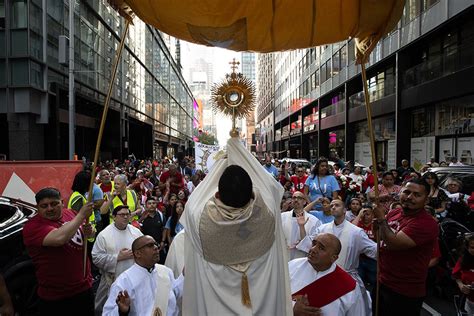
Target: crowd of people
(137, 230)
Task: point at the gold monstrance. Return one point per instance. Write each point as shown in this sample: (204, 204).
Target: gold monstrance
(234, 96)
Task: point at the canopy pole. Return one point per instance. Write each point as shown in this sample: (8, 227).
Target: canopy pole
(374, 173)
(102, 126)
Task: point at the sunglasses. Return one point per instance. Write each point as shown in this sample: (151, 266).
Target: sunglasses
(149, 245)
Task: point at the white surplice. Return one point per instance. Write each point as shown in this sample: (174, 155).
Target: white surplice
(214, 289)
(354, 242)
(303, 274)
(107, 245)
(175, 256)
(291, 231)
(142, 287)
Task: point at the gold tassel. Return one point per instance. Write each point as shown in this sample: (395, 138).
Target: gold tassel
(245, 291)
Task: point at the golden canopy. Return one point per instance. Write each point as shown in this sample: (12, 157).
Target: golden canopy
(269, 25)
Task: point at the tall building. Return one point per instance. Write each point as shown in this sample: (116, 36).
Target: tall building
(420, 86)
(264, 132)
(151, 108)
(201, 76)
(248, 70)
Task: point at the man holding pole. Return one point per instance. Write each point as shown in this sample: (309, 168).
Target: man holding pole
(55, 240)
(408, 238)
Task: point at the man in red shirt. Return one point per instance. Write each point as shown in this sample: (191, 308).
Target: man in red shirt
(174, 177)
(54, 239)
(299, 179)
(408, 236)
(105, 182)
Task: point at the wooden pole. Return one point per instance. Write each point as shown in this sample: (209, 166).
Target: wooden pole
(374, 172)
(102, 125)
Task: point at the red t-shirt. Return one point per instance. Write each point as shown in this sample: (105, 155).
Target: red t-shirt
(177, 178)
(298, 182)
(405, 271)
(59, 270)
(466, 276)
(368, 229)
(106, 187)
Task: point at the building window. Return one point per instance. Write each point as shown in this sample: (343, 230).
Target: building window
(36, 75)
(3, 77)
(19, 72)
(423, 122)
(336, 142)
(19, 43)
(19, 14)
(384, 129)
(411, 11)
(2, 14)
(2, 43)
(323, 73)
(455, 116)
(36, 45)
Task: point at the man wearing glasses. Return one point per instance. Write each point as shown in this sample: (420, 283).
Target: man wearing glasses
(112, 252)
(299, 179)
(54, 239)
(146, 288)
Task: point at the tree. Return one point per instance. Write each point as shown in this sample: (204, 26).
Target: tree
(204, 137)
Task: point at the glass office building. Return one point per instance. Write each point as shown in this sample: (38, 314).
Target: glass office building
(420, 88)
(151, 108)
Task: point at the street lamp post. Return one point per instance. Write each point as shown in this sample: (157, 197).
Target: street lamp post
(71, 81)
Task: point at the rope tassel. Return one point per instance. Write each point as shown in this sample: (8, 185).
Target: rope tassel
(245, 291)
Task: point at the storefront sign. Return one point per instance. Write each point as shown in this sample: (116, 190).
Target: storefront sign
(446, 150)
(422, 149)
(362, 153)
(466, 150)
(392, 154)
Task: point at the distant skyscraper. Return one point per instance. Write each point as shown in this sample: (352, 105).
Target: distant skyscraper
(248, 70)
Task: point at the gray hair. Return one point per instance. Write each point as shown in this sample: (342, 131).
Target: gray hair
(454, 180)
(122, 178)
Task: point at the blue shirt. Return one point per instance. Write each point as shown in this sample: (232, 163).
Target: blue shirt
(322, 217)
(321, 186)
(272, 170)
(178, 227)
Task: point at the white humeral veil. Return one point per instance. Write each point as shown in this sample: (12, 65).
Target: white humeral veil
(213, 289)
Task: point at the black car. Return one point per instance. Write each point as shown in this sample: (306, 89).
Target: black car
(15, 264)
(463, 173)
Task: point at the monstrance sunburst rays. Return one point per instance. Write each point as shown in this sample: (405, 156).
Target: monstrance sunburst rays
(234, 96)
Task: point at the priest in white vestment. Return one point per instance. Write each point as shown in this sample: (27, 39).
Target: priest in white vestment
(354, 242)
(235, 252)
(296, 224)
(318, 284)
(112, 252)
(146, 288)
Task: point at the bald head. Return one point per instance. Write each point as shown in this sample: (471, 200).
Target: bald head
(331, 242)
(139, 242)
(298, 194)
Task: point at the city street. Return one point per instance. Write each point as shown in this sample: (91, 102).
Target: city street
(268, 158)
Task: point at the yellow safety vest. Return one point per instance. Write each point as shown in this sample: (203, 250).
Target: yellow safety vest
(75, 196)
(132, 202)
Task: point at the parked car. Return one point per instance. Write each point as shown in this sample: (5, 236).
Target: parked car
(15, 264)
(463, 173)
(305, 163)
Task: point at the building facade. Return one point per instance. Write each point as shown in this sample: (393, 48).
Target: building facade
(264, 131)
(248, 70)
(420, 85)
(151, 109)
